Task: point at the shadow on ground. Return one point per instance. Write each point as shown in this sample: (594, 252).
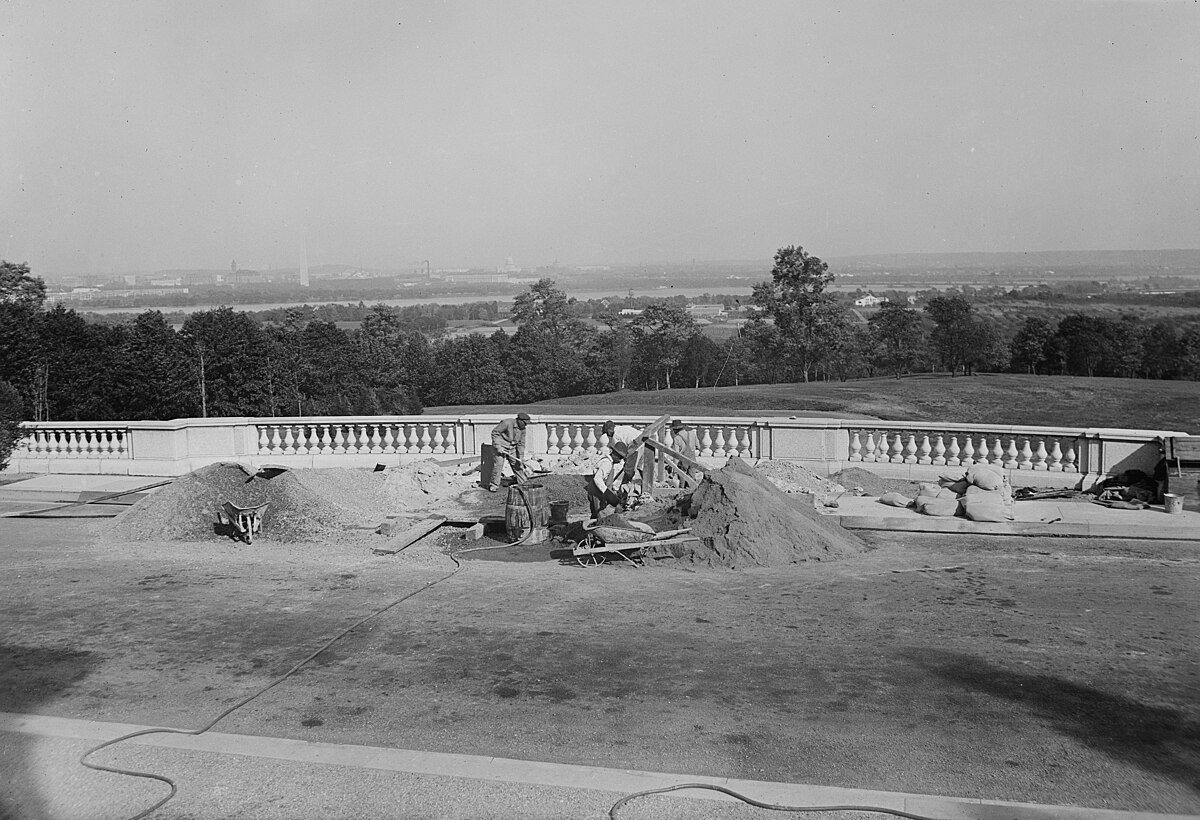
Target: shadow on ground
(1158, 740)
(30, 675)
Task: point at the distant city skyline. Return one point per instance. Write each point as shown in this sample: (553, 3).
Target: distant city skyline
(145, 135)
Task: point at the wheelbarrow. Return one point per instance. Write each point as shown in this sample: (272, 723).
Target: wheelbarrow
(603, 542)
(246, 521)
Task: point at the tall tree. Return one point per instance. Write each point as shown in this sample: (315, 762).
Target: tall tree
(660, 335)
(796, 300)
(18, 286)
(898, 337)
(227, 355)
(21, 298)
(954, 324)
(1029, 350)
(151, 378)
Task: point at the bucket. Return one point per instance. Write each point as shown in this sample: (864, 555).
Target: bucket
(558, 511)
(527, 513)
(1172, 503)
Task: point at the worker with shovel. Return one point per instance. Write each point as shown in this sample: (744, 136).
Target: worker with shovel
(604, 486)
(508, 439)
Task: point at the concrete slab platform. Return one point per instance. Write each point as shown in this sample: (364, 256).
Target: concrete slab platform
(300, 758)
(1047, 517)
(64, 487)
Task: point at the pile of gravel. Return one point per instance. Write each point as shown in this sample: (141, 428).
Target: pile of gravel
(743, 520)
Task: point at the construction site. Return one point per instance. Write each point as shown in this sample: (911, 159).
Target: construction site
(398, 641)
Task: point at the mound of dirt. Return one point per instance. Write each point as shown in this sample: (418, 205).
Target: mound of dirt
(186, 509)
(743, 520)
(304, 504)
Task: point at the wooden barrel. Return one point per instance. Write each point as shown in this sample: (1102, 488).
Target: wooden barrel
(527, 513)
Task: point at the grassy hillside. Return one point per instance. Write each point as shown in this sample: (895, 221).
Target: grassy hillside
(989, 399)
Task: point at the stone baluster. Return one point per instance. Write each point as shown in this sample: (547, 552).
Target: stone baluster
(870, 451)
(326, 440)
(968, 451)
(910, 449)
(72, 444)
(389, 438)
(576, 444)
(589, 439)
(897, 449)
(1055, 457)
(339, 440)
(706, 443)
(746, 443)
(953, 453)
(1040, 456)
(1025, 457)
(855, 447)
(451, 439)
(1068, 459)
(312, 444)
(264, 441)
(997, 453)
(924, 451)
(425, 448)
(289, 441)
(276, 440)
(719, 443)
(939, 451)
(1010, 453)
(439, 440)
(375, 441)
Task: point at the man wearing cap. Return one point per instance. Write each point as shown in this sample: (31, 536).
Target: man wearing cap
(508, 439)
(603, 488)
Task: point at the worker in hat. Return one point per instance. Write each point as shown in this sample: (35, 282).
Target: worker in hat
(626, 435)
(604, 488)
(508, 440)
(685, 442)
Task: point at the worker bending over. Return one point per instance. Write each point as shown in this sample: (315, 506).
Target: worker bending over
(604, 487)
(508, 439)
(624, 434)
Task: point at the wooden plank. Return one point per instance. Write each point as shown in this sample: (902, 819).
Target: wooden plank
(678, 456)
(411, 535)
(1185, 448)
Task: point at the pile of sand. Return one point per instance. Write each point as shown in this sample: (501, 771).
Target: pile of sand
(743, 520)
(304, 504)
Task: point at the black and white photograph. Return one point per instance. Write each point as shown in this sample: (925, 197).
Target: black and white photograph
(673, 409)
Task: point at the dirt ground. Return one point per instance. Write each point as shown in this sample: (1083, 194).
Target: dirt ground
(1029, 669)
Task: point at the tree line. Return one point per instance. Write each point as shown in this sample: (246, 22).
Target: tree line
(56, 366)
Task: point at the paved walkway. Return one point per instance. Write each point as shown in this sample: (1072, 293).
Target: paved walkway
(1048, 517)
(223, 775)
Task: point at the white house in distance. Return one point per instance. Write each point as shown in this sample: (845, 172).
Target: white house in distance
(870, 300)
(706, 311)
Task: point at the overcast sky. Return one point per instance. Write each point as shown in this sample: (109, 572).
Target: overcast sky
(149, 135)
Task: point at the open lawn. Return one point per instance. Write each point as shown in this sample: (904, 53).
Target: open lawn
(983, 399)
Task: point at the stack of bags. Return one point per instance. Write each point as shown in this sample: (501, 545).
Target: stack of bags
(980, 494)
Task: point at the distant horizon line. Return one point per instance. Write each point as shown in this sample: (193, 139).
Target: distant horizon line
(900, 255)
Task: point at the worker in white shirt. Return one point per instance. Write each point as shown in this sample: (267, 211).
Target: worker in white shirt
(604, 487)
(626, 435)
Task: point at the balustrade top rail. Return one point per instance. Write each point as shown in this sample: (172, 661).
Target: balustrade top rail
(179, 445)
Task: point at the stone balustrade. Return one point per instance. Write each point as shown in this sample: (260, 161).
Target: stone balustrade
(1009, 450)
(1038, 456)
(75, 441)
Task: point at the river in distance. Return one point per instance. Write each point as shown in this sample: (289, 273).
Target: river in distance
(740, 291)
